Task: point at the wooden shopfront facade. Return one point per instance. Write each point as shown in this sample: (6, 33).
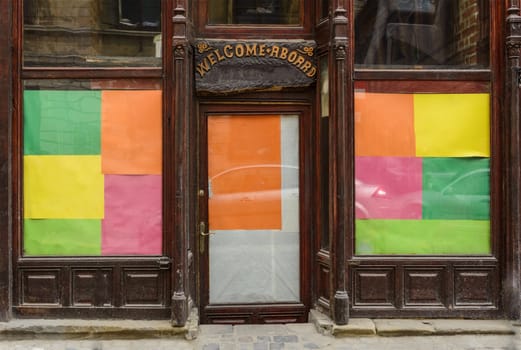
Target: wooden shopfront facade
(251, 160)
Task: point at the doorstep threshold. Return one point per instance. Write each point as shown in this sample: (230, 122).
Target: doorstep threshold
(357, 327)
(19, 329)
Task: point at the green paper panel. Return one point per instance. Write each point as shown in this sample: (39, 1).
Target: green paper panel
(422, 237)
(62, 237)
(456, 188)
(58, 122)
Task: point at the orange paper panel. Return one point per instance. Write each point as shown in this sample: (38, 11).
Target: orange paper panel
(131, 132)
(384, 124)
(244, 172)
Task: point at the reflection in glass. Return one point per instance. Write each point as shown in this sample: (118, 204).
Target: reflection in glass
(92, 33)
(324, 87)
(429, 33)
(253, 208)
(324, 9)
(253, 11)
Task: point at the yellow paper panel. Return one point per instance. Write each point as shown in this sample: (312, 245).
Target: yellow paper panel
(452, 125)
(64, 187)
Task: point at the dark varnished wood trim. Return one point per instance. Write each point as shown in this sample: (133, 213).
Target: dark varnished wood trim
(183, 193)
(5, 156)
(512, 163)
(422, 74)
(91, 73)
(341, 157)
(272, 104)
(426, 86)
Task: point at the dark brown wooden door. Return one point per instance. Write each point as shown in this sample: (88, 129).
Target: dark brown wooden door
(254, 219)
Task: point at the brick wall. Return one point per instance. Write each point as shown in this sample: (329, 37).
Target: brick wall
(467, 32)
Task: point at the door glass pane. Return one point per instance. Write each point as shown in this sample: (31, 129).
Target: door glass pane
(253, 180)
(254, 11)
(425, 33)
(92, 160)
(424, 187)
(92, 33)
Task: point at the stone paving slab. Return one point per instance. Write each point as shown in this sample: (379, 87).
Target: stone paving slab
(282, 337)
(88, 329)
(394, 327)
(452, 327)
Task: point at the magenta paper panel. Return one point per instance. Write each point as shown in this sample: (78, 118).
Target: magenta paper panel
(133, 215)
(388, 187)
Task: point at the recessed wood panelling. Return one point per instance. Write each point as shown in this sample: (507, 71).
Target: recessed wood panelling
(324, 289)
(424, 287)
(40, 287)
(474, 286)
(112, 288)
(92, 287)
(442, 288)
(374, 287)
(142, 287)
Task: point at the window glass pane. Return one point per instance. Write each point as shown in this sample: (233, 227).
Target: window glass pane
(424, 187)
(92, 168)
(324, 86)
(422, 33)
(324, 8)
(92, 33)
(253, 11)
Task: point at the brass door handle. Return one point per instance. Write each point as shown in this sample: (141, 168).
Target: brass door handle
(202, 229)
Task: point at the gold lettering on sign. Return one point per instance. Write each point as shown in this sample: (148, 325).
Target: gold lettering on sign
(300, 58)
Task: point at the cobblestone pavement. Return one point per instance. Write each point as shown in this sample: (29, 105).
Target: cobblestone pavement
(277, 337)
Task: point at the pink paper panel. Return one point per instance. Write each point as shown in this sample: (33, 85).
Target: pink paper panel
(384, 124)
(388, 187)
(132, 224)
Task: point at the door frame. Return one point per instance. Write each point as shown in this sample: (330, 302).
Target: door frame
(273, 312)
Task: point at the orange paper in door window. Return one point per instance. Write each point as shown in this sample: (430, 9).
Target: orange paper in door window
(244, 172)
(131, 132)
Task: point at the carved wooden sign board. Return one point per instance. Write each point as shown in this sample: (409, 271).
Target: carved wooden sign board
(239, 66)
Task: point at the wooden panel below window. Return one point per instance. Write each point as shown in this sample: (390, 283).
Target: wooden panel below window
(92, 287)
(40, 287)
(425, 288)
(142, 287)
(475, 287)
(373, 287)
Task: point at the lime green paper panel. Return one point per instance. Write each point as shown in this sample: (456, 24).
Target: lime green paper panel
(62, 237)
(456, 188)
(452, 125)
(62, 122)
(63, 187)
(422, 237)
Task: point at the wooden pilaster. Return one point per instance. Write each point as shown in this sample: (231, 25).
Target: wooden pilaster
(512, 155)
(341, 161)
(5, 158)
(182, 101)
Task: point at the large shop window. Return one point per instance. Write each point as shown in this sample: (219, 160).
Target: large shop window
(426, 33)
(92, 158)
(92, 33)
(424, 187)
